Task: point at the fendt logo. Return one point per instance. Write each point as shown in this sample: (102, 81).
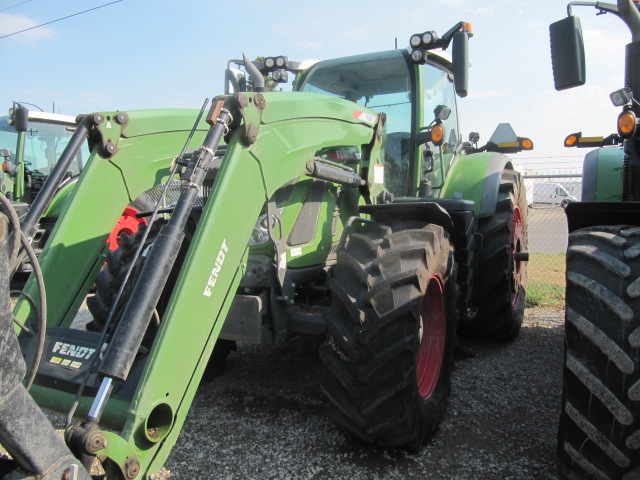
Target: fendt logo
(70, 350)
(213, 277)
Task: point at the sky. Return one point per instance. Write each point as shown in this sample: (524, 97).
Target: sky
(138, 54)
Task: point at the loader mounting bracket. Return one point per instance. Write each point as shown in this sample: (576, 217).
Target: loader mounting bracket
(250, 106)
(106, 131)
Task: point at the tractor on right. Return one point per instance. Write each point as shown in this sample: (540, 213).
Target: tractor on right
(599, 434)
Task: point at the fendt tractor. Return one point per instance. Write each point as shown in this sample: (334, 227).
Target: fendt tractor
(599, 434)
(349, 207)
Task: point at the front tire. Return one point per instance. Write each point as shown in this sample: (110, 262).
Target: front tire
(599, 435)
(392, 326)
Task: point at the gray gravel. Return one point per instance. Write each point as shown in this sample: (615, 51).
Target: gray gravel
(265, 418)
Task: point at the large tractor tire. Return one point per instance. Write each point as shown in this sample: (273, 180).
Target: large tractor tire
(111, 276)
(599, 435)
(502, 273)
(110, 279)
(391, 333)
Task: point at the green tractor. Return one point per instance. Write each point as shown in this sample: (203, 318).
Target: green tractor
(349, 207)
(599, 434)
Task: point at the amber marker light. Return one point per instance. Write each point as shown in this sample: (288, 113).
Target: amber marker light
(527, 144)
(437, 134)
(571, 140)
(626, 124)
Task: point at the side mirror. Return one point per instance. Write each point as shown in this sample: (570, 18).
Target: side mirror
(567, 53)
(20, 118)
(460, 52)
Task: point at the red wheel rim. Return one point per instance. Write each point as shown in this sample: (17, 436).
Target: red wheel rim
(433, 334)
(517, 244)
(127, 224)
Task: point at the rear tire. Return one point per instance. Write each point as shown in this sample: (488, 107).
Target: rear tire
(599, 435)
(502, 278)
(392, 326)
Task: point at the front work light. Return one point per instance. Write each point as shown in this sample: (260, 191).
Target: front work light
(621, 97)
(280, 62)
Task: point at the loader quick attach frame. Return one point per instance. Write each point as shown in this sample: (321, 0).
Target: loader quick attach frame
(143, 401)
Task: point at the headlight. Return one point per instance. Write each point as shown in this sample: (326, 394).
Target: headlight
(260, 233)
(258, 237)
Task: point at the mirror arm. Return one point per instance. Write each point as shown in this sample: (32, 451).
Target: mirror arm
(602, 6)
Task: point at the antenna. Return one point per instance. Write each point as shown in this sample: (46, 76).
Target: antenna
(396, 47)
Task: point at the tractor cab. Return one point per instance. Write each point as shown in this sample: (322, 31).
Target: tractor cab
(419, 103)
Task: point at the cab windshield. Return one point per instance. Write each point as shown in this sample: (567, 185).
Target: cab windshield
(382, 82)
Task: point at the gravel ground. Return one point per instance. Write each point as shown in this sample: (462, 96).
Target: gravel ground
(265, 418)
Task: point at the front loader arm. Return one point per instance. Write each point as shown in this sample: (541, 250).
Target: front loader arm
(270, 143)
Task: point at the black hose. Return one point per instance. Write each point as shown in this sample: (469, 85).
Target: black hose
(14, 222)
(42, 311)
(18, 237)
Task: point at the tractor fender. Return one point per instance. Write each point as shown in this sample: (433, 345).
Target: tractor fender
(423, 211)
(476, 177)
(591, 214)
(602, 175)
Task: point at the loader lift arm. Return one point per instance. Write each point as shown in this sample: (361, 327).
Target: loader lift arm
(260, 158)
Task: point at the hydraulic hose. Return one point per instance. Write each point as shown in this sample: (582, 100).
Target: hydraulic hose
(41, 313)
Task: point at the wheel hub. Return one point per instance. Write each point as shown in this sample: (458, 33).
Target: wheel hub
(127, 224)
(432, 335)
(517, 244)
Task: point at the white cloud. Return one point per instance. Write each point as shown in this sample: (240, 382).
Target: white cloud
(10, 23)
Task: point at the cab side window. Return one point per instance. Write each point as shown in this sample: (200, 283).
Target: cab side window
(439, 90)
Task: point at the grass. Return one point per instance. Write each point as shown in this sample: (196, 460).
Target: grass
(546, 280)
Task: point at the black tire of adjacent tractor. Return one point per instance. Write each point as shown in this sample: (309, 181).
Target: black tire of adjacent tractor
(391, 333)
(502, 277)
(599, 435)
(110, 278)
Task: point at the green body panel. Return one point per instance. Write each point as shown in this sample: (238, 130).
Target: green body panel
(149, 122)
(200, 301)
(609, 175)
(59, 201)
(471, 176)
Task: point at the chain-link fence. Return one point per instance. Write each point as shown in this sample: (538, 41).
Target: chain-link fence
(547, 196)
